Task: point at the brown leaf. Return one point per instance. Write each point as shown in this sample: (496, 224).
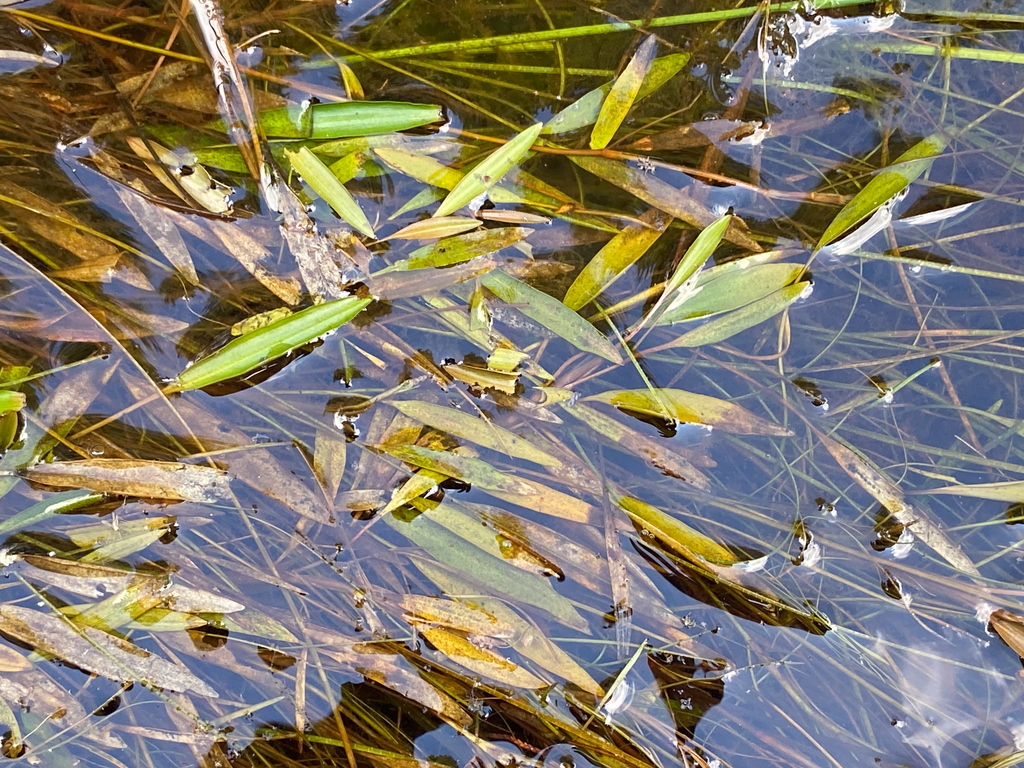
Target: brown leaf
(132, 477)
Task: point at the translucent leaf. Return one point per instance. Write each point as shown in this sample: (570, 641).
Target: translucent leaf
(1011, 492)
(54, 505)
(160, 228)
(623, 93)
(429, 229)
(689, 407)
(135, 477)
(326, 184)
(454, 614)
(248, 352)
(453, 250)
(677, 535)
(475, 429)
(728, 325)
(733, 290)
(330, 451)
(618, 254)
(480, 660)
(489, 171)
(885, 185)
(551, 313)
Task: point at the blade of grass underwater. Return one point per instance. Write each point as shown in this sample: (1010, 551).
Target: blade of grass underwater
(551, 313)
(326, 184)
(618, 254)
(248, 352)
(476, 430)
(686, 541)
(658, 193)
(689, 407)
(623, 93)
(347, 119)
(726, 326)
(585, 109)
(700, 250)
(884, 185)
(446, 547)
(733, 290)
(489, 171)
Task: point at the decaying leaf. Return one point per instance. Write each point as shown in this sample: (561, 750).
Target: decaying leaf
(132, 477)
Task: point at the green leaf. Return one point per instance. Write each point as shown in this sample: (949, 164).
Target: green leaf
(248, 352)
(453, 250)
(885, 185)
(11, 401)
(551, 313)
(54, 505)
(690, 407)
(623, 93)
(489, 171)
(347, 119)
(1011, 492)
(722, 328)
(663, 196)
(734, 289)
(446, 547)
(476, 430)
(326, 184)
(677, 535)
(618, 254)
(585, 109)
(429, 229)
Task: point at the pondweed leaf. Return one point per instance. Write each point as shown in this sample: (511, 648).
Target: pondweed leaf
(663, 196)
(326, 184)
(476, 430)
(1011, 492)
(755, 313)
(618, 254)
(11, 401)
(430, 229)
(887, 183)
(480, 660)
(700, 251)
(445, 547)
(623, 93)
(68, 501)
(736, 288)
(137, 478)
(676, 535)
(691, 408)
(489, 171)
(551, 313)
(161, 229)
(248, 352)
(453, 250)
(346, 119)
(585, 109)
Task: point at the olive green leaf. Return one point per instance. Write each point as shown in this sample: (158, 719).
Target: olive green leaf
(322, 181)
(719, 292)
(347, 118)
(623, 93)
(677, 535)
(721, 328)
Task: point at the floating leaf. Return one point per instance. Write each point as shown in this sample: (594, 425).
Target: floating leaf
(262, 320)
(689, 407)
(475, 429)
(445, 547)
(429, 229)
(59, 503)
(733, 290)
(1011, 492)
(11, 401)
(551, 313)
(623, 93)
(677, 535)
(489, 171)
(885, 185)
(453, 250)
(96, 651)
(326, 184)
(135, 477)
(663, 196)
(585, 109)
(347, 118)
(480, 660)
(755, 313)
(248, 352)
(620, 253)
(453, 614)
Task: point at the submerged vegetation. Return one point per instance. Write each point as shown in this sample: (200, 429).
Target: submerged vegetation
(546, 384)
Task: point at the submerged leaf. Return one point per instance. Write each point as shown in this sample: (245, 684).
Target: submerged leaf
(453, 250)
(135, 477)
(620, 253)
(551, 313)
(689, 407)
(885, 185)
(480, 660)
(677, 535)
(326, 184)
(623, 93)
(1011, 492)
(248, 352)
(736, 288)
(489, 171)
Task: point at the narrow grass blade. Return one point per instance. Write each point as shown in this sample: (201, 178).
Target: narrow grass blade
(248, 352)
(326, 184)
(623, 93)
(620, 253)
(877, 192)
(489, 171)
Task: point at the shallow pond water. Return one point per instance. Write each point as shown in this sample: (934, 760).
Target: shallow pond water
(509, 513)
